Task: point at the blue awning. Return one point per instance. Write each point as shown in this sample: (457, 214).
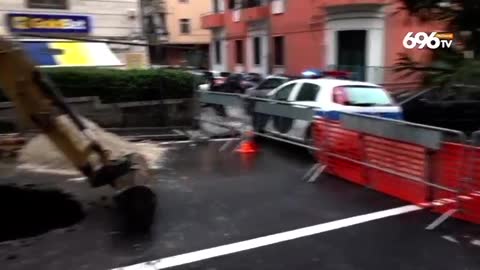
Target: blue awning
(70, 53)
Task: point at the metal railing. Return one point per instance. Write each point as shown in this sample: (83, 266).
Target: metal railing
(242, 119)
(431, 158)
(429, 166)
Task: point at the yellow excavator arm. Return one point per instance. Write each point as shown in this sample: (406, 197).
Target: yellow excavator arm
(39, 103)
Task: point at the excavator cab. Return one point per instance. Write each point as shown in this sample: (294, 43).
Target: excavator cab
(40, 103)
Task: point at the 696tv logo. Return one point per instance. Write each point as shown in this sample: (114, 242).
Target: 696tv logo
(433, 40)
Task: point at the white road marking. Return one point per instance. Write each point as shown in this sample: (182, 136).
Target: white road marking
(475, 242)
(267, 240)
(450, 238)
(78, 179)
(192, 141)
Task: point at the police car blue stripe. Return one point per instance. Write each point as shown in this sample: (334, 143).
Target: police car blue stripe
(335, 115)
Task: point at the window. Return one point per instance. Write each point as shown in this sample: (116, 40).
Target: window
(232, 4)
(235, 4)
(367, 95)
(257, 51)
(239, 51)
(283, 93)
(183, 1)
(218, 52)
(278, 48)
(271, 83)
(185, 26)
(251, 3)
(361, 96)
(52, 4)
(278, 6)
(308, 92)
(216, 6)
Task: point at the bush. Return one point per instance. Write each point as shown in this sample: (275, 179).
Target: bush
(113, 85)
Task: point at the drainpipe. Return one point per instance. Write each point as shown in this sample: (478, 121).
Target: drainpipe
(269, 38)
(143, 30)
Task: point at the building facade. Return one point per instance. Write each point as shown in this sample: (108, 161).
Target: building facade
(51, 20)
(187, 42)
(286, 36)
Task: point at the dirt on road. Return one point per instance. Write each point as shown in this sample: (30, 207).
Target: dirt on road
(41, 154)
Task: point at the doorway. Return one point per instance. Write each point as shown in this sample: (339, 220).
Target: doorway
(351, 54)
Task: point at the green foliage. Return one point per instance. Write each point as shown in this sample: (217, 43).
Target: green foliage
(113, 85)
(439, 72)
(447, 67)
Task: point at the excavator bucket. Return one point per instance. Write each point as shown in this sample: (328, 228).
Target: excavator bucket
(135, 200)
(39, 102)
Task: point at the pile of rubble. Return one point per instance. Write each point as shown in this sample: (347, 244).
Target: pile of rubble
(39, 153)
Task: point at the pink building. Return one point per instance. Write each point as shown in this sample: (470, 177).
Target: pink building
(289, 36)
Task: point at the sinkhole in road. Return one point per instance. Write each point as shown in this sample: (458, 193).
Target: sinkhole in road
(28, 211)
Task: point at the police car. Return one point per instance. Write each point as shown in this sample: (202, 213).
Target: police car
(329, 97)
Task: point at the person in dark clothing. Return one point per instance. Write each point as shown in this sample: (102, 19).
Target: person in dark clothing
(219, 109)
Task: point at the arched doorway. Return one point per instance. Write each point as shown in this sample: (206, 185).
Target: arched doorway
(356, 40)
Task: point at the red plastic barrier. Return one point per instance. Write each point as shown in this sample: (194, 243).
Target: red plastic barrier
(448, 170)
(402, 158)
(469, 183)
(333, 139)
(455, 167)
(403, 170)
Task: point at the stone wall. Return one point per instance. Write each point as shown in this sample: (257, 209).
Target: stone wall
(156, 113)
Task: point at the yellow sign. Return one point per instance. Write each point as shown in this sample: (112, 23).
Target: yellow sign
(48, 23)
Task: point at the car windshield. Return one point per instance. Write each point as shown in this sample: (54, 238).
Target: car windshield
(253, 77)
(271, 83)
(224, 74)
(367, 96)
(234, 77)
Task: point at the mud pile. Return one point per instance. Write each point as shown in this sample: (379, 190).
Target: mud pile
(40, 154)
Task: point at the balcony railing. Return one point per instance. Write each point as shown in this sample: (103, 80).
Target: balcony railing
(212, 20)
(255, 13)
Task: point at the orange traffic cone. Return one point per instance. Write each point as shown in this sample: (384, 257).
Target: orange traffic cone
(248, 145)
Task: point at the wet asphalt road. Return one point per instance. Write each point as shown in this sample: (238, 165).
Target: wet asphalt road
(208, 199)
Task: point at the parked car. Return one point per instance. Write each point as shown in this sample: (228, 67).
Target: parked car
(240, 82)
(267, 85)
(234, 82)
(326, 96)
(263, 88)
(253, 78)
(213, 78)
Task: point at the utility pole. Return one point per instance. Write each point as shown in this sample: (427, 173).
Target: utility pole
(270, 44)
(143, 27)
(153, 20)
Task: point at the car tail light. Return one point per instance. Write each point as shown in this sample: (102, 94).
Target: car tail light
(337, 74)
(339, 95)
(219, 81)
